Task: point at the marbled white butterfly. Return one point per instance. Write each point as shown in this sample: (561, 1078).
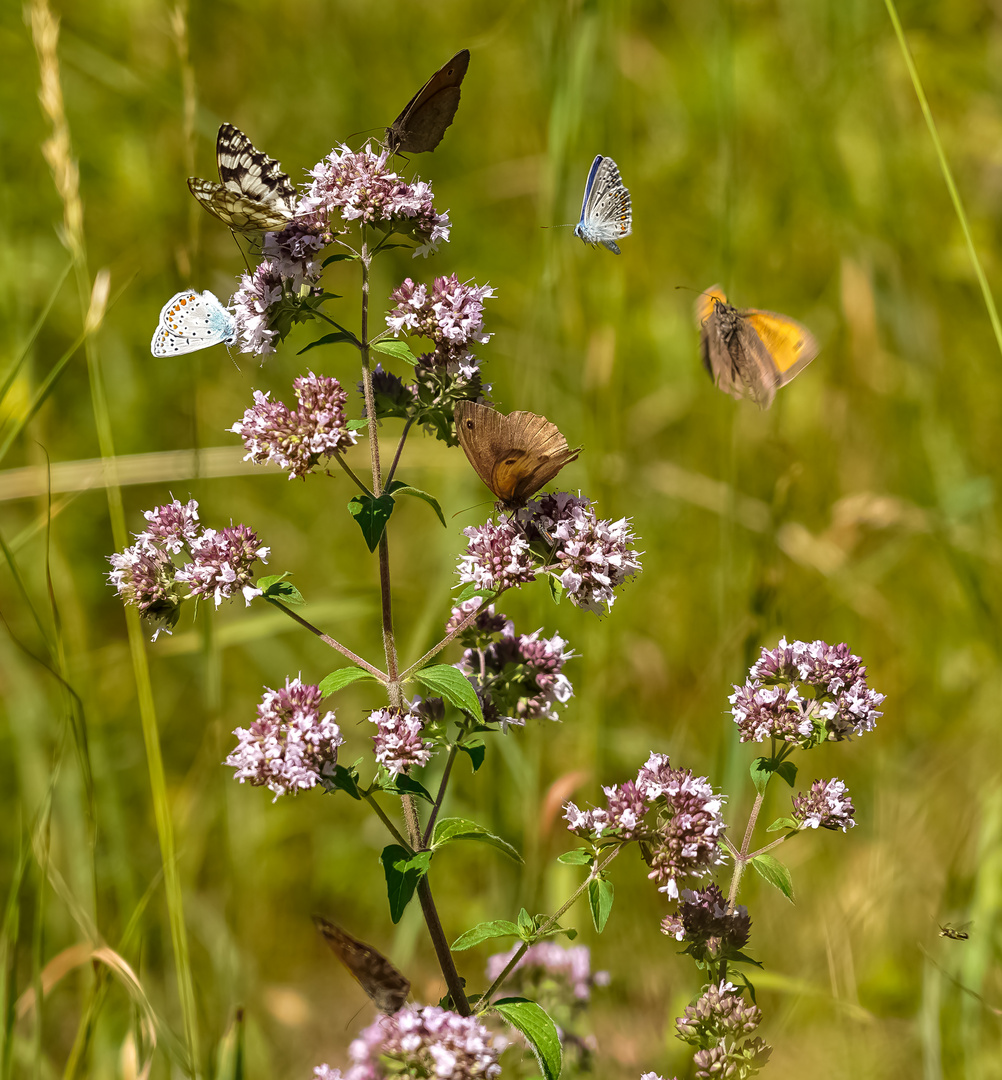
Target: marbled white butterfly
(253, 195)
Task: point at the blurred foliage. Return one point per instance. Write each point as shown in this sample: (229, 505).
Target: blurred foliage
(775, 146)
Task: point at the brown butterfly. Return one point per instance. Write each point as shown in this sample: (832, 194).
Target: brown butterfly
(386, 986)
(748, 352)
(422, 123)
(514, 455)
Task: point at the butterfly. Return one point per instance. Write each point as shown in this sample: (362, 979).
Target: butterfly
(190, 321)
(514, 455)
(606, 215)
(386, 986)
(954, 933)
(253, 195)
(422, 123)
(748, 352)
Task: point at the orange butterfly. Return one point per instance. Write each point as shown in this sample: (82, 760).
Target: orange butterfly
(749, 352)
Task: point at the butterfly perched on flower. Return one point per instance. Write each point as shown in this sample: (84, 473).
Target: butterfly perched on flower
(606, 214)
(748, 352)
(384, 984)
(190, 321)
(253, 194)
(423, 120)
(514, 455)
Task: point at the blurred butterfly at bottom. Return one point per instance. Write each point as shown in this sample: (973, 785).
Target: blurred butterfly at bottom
(384, 984)
(514, 455)
(748, 352)
(606, 213)
(190, 321)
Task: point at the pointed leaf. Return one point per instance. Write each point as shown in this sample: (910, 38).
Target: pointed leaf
(356, 425)
(485, 931)
(335, 338)
(476, 752)
(449, 829)
(345, 780)
(578, 857)
(775, 873)
(372, 516)
(403, 872)
(336, 258)
(556, 588)
(405, 785)
(338, 680)
(450, 683)
(397, 488)
(783, 823)
(600, 896)
(539, 1030)
(526, 923)
(471, 590)
(399, 350)
(788, 771)
(275, 587)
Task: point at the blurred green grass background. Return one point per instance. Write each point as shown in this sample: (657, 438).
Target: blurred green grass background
(776, 147)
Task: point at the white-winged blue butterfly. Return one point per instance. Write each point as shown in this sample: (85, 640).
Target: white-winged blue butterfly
(606, 215)
(190, 321)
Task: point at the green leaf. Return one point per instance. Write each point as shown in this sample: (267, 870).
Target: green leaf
(788, 771)
(371, 515)
(450, 683)
(345, 780)
(356, 425)
(449, 829)
(336, 338)
(783, 823)
(476, 752)
(406, 785)
(403, 872)
(471, 590)
(338, 680)
(556, 588)
(484, 931)
(275, 587)
(539, 1030)
(526, 924)
(775, 873)
(336, 258)
(399, 350)
(600, 895)
(398, 488)
(578, 857)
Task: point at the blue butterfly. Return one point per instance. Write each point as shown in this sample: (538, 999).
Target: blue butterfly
(605, 210)
(190, 321)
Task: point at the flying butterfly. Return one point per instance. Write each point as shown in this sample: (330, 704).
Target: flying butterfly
(606, 214)
(514, 455)
(384, 984)
(190, 321)
(253, 195)
(422, 123)
(748, 352)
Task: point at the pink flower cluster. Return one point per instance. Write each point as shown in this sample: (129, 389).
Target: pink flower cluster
(568, 966)
(426, 1041)
(398, 742)
(290, 747)
(826, 806)
(220, 565)
(296, 439)
(451, 314)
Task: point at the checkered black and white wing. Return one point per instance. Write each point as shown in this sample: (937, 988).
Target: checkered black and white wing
(254, 194)
(190, 321)
(606, 212)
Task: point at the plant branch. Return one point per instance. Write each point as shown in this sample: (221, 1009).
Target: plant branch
(393, 830)
(442, 950)
(400, 447)
(454, 750)
(436, 649)
(742, 858)
(347, 468)
(327, 640)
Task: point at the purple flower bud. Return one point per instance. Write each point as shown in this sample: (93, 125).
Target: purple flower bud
(398, 742)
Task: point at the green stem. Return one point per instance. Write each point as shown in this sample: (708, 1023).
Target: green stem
(453, 751)
(435, 649)
(364, 664)
(944, 166)
(742, 858)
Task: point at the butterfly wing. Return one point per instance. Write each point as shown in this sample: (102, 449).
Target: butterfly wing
(386, 986)
(606, 210)
(424, 119)
(190, 321)
(722, 346)
(790, 344)
(514, 455)
(254, 194)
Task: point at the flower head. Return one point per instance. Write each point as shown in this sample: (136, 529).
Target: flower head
(349, 186)
(289, 747)
(255, 306)
(497, 556)
(805, 693)
(451, 314)
(706, 923)
(426, 1041)
(398, 742)
(623, 814)
(591, 556)
(296, 440)
(825, 806)
(223, 564)
(561, 973)
(717, 1023)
